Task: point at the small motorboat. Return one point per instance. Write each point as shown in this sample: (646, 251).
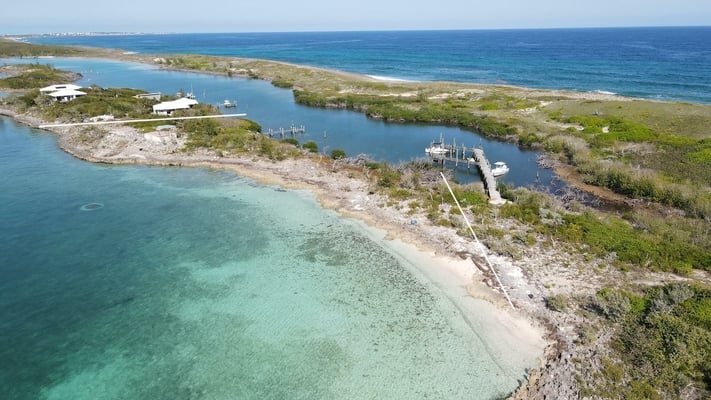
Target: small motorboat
(229, 104)
(436, 148)
(500, 168)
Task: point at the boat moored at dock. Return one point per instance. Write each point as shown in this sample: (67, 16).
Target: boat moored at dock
(436, 148)
(500, 168)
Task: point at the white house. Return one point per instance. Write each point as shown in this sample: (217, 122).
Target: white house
(167, 107)
(54, 88)
(65, 95)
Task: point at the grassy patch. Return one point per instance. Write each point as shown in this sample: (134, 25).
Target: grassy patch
(613, 235)
(33, 76)
(11, 48)
(662, 341)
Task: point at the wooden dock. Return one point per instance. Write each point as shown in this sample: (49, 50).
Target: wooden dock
(489, 180)
(441, 153)
(292, 131)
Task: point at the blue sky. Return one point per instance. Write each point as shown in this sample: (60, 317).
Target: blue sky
(49, 16)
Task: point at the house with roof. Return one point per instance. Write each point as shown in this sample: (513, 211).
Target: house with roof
(65, 95)
(167, 107)
(63, 92)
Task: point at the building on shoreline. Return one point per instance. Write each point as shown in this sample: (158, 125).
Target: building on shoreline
(63, 92)
(66, 95)
(167, 107)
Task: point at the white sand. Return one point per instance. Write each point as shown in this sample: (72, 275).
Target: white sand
(509, 336)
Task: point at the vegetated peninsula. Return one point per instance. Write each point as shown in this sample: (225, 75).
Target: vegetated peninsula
(623, 290)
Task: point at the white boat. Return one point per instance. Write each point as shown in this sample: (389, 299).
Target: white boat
(229, 104)
(436, 148)
(500, 168)
(189, 95)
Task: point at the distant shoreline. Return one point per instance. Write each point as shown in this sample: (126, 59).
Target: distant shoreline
(485, 66)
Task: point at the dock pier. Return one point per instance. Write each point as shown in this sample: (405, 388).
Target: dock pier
(292, 131)
(440, 152)
(489, 180)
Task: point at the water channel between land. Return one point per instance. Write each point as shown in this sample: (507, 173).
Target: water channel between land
(274, 108)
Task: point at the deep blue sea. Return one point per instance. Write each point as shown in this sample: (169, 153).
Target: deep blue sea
(669, 63)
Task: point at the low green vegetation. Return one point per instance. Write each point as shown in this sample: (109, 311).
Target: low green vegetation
(408, 110)
(615, 236)
(119, 103)
(281, 83)
(661, 345)
(12, 48)
(675, 245)
(643, 156)
(311, 146)
(506, 102)
(31, 76)
(338, 154)
(234, 136)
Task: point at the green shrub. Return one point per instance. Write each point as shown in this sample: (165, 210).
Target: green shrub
(660, 347)
(614, 235)
(337, 154)
(665, 347)
(291, 141)
(311, 146)
(525, 206)
(557, 303)
(282, 83)
(387, 177)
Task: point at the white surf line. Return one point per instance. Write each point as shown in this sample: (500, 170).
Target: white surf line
(491, 267)
(127, 121)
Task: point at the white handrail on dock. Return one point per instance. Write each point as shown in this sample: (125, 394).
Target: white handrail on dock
(293, 130)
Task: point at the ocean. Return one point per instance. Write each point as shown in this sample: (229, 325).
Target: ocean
(665, 63)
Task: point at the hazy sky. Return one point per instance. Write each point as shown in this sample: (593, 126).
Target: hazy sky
(48, 16)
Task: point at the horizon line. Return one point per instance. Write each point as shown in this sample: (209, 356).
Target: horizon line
(119, 33)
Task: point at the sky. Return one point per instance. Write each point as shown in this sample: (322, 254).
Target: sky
(160, 16)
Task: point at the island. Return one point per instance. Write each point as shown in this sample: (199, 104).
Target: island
(619, 285)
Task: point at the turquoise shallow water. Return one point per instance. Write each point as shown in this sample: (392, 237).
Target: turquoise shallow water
(164, 283)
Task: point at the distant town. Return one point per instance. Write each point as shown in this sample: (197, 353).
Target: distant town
(71, 34)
